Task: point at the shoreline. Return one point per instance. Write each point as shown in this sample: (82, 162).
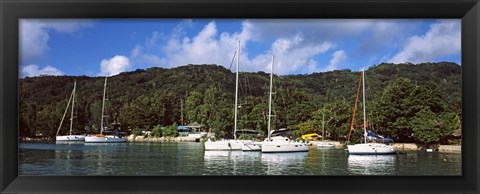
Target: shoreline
(133, 138)
(399, 146)
(441, 148)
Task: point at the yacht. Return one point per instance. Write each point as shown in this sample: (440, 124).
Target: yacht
(105, 136)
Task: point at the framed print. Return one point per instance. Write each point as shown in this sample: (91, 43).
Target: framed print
(239, 96)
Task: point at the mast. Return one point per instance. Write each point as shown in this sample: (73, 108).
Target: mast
(364, 116)
(355, 107)
(270, 96)
(103, 104)
(65, 113)
(236, 93)
(323, 123)
(73, 105)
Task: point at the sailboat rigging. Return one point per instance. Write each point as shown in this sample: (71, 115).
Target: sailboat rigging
(230, 144)
(323, 144)
(112, 136)
(368, 148)
(280, 143)
(70, 137)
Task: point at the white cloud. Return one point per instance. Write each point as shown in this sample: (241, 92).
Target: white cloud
(179, 30)
(33, 70)
(114, 66)
(298, 45)
(154, 39)
(209, 46)
(337, 58)
(313, 29)
(442, 39)
(34, 34)
(291, 55)
(137, 51)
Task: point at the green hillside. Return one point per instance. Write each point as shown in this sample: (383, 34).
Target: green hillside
(401, 99)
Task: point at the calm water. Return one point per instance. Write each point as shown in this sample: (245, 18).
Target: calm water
(184, 158)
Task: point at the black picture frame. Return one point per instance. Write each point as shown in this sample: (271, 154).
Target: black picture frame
(13, 10)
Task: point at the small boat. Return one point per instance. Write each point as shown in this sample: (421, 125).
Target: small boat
(324, 145)
(229, 144)
(367, 148)
(105, 136)
(225, 144)
(252, 146)
(71, 137)
(281, 143)
(371, 148)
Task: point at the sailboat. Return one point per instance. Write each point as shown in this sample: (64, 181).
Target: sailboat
(323, 144)
(71, 137)
(229, 144)
(368, 148)
(280, 143)
(105, 136)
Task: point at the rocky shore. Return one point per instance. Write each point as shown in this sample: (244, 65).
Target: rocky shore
(133, 138)
(336, 143)
(441, 148)
(399, 146)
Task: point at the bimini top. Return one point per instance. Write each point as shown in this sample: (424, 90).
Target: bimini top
(379, 137)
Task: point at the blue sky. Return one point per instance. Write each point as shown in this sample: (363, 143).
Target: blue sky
(111, 46)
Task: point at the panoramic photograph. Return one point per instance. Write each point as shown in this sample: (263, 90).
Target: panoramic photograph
(247, 97)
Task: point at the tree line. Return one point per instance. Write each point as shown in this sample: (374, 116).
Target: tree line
(410, 103)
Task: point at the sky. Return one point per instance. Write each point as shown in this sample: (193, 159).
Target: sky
(107, 47)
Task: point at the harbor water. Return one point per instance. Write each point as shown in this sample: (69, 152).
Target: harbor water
(189, 158)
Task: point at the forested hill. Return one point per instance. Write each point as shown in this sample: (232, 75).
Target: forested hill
(205, 94)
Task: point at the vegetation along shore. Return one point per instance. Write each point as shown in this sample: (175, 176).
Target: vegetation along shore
(411, 103)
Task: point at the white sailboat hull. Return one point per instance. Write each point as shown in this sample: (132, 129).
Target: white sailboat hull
(70, 138)
(252, 146)
(105, 139)
(225, 144)
(371, 148)
(280, 144)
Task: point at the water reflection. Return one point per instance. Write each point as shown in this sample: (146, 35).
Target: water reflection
(372, 164)
(231, 163)
(172, 159)
(69, 142)
(284, 163)
(49, 146)
(327, 162)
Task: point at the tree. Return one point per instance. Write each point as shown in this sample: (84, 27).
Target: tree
(402, 106)
(217, 113)
(259, 116)
(427, 127)
(192, 106)
(337, 118)
(308, 127)
(397, 105)
(145, 98)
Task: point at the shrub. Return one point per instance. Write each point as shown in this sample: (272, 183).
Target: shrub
(137, 131)
(170, 131)
(156, 131)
